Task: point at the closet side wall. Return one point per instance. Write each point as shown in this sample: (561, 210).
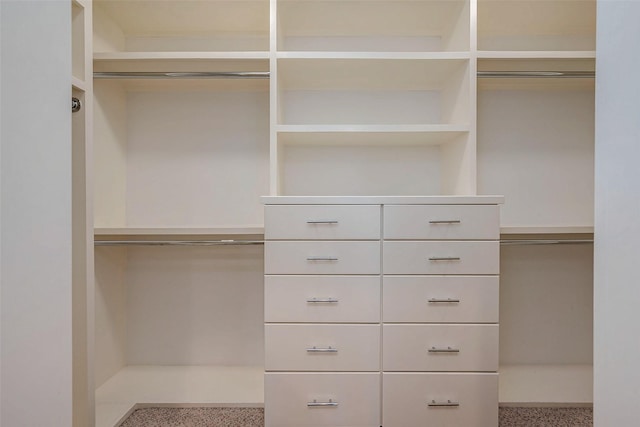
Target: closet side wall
(617, 229)
(36, 335)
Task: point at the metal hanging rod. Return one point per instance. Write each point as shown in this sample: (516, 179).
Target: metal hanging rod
(182, 75)
(537, 74)
(547, 242)
(224, 242)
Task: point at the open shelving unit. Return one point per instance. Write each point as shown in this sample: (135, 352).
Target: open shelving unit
(180, 163)
(535, 145)
(351, 98)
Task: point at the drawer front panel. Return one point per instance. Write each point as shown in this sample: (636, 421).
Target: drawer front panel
(322, 299)
(440, 299)
(288, 398)
(438, 257)
(411, 400)
(322, 222)
(322, 347)
(440, 348)
(442, 222)
(322, 257)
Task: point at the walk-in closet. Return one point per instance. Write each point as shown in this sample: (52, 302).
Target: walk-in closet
(202, 107)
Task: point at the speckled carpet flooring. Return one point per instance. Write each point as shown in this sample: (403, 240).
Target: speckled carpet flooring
(254, 417)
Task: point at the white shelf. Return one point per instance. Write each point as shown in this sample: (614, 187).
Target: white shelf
(541, 54)
(178, 386)
(547, 230)
(370, 135)
(178, 231)
(372, 55)
(546, 385)
(375, 200)
(180, 61)
(135, 56)
(78, 84)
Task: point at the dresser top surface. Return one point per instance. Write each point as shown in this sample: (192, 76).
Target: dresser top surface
(382, 200)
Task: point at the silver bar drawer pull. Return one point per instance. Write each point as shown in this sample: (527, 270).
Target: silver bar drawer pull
(444, 258)
(322, 221)
(444, 350)
(315, 349)
(322, 258)
(448, 403)
(445, 221)
(316, 404)
(443, 300)
(322, 300)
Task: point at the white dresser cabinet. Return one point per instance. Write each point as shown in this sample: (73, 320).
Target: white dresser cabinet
(322, 308)
(381, 311)
(440, 314)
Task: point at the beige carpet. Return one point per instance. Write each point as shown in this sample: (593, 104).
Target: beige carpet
(254, 417)
(196, 417)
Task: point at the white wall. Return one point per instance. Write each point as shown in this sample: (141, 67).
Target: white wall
(35, 335)
(617, 220)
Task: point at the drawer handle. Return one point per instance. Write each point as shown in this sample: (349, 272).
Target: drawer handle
(316, 404)
(322, 258)
(444, 258)
(322, 300)
(444, 300)
(322, 221)
(329, 349)
(445, 221)
(448, 403)
(444, 350)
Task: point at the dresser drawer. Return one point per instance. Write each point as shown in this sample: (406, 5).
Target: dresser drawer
(322, 222)
(295, 400)
(322, 347)
(440, 299)
(440, 347)
(322, 257)
(468, 400)
(322, 299)
(442, 222)
(441, 257)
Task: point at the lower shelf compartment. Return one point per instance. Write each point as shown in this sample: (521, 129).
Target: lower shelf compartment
(546, 385)
(177, 386)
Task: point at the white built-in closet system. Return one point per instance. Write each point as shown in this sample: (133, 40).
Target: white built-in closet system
(345, 97)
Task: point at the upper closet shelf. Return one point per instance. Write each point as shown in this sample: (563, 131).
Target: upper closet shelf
(542, 54)
(180, 61)
(370, 135)
(111, 233)
(549, 230)
(134, 56)
(372, 55)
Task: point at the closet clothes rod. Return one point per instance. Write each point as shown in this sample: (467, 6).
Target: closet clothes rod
(182, 75)
(223, 242)
(537, 74)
